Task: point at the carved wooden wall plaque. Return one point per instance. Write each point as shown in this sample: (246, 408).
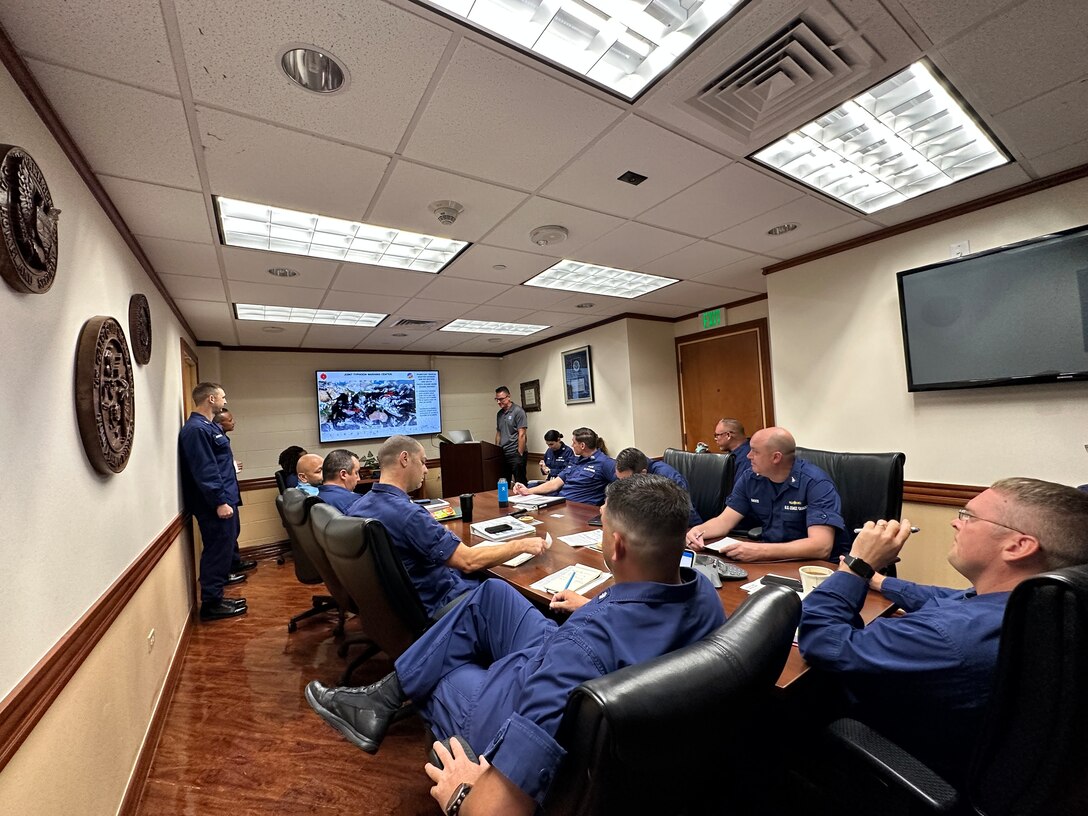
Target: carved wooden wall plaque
(139, 328)
(105, 401)
(28, 221)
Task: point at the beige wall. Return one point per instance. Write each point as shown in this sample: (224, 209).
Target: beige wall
(839, 374)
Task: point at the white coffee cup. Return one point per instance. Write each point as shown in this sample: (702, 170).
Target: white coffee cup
(812, 577)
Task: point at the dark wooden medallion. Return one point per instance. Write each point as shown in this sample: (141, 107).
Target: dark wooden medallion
(28, 221)
(139, 328)
(105, 401)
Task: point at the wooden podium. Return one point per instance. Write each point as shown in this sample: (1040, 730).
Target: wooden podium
(470, 467)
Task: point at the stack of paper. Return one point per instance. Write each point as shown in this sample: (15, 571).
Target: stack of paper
(532, 502)
(577, 578)
(491, 530)
(590, 538)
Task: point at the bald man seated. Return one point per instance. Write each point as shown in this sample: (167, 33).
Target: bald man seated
(308, 471)
(795, 502)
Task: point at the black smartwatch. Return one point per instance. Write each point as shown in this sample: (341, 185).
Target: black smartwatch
(859, 567)
(453, 807)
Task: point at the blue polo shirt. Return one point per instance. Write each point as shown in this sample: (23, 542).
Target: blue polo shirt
(423, 544)
(339, 497)
(660, 468)
(808, 497)
(585, 481)
(740, 457)
(560, 460)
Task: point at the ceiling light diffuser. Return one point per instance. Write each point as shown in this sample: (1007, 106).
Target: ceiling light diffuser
(294, 314)
(619, 45)
(274, 229)
(905, 137)
(576, 276)
(492, 327)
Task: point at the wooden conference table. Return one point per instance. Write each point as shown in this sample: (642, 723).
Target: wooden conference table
(571, 517)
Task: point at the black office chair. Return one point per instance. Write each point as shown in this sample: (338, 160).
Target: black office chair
(1032, 756)
(311, 565)
(709, 476)
(648, 738)
(281, 480)
(366, 564)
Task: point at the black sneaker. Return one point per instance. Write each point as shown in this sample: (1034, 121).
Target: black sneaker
(222, 609)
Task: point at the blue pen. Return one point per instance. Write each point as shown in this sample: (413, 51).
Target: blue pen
(570, 580)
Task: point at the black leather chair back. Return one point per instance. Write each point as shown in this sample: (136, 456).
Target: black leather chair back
(281, 480)
(709, 475)
(311, 564)
(1033, 755)
(637, 738)
(869, 484)
(367, 565)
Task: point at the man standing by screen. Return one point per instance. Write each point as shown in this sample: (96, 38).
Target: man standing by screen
(510, 435)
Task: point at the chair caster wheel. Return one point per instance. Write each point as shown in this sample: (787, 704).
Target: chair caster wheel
(292, 626)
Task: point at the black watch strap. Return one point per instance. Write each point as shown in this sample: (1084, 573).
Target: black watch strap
(453, 807)
(859, 567)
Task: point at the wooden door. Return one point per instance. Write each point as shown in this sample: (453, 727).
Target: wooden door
(724, 373)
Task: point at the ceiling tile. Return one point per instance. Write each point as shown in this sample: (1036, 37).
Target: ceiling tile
(161, 212)
(694, 295)
(495, 118)
(499, 314)
(360, 302)
(380, 280)
(252, 333)
(602, 306)
(190, 288)
(338, 337)
(370, 37)
(181, 257)
(529, 297)
(384, 339)
(255, 161)
(1068, 157)
(1050, 121)
(829, 238)
(252, 265)
(552, 318)
(659, 309)
(123, 131)
(479, 260)
(405, 202)
(120, 40)
(212, 322)
(437, 341)
(812, 216)
(694, 260)
(632, 245)
(942, 21)
(746, 275)
(421, 309)
(267, 294)
(669, 162)
(585, 226)
(462, 291)
(729, 197)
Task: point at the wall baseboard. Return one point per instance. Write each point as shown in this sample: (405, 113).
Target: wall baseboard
(266, 551)
(27, 703)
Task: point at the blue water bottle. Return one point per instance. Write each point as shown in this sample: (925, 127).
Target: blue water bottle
(504, 493)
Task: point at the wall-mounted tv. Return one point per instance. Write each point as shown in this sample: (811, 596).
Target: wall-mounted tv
(1013, 315)
(376, 404)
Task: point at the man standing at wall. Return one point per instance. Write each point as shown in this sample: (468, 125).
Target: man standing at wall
(210, 489)
(510, 429)
(225, 420)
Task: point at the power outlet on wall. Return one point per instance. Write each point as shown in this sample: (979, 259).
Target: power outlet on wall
(150, 641)
(959, 249)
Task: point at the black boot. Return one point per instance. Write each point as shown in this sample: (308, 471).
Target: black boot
(362, 714)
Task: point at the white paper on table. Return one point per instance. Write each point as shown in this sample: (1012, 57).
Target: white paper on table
(516, 561)
(721, 544)
(584, 578)
(588, 538)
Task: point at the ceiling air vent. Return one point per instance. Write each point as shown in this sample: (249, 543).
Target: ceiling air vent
(414, 325)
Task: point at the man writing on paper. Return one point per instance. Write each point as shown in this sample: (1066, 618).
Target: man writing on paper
(924, 679)
(435, 559)
(497, 673)
(795, 502)
(585, 480)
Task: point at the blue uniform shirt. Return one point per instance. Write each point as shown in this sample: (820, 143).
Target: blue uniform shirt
(740, 457)
(208, 477)
(339, 497)
(291, 480)
(585, 480)
(660, 468)
(558, 461)
(786, 511)
(923, 678)
(423, 544)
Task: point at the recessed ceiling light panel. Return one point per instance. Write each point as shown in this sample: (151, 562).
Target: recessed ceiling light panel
(492, 327)
(619, 45)
(905, 137)
(575, 276)
(294, 314)
(260, 226)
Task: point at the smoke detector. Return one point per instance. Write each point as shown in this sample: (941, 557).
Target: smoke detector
(446, 211)
(546, 236)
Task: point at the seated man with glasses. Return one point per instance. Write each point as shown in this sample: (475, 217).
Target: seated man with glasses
(923, 679)
(730, 438)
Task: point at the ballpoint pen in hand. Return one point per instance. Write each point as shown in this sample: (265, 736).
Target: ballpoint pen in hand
(912, 529)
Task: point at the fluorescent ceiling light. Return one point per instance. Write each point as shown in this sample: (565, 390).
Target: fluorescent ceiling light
(259, 226)
(294, 314)
(491, 327)
(618, 44)
(575, 276)
(905, 137)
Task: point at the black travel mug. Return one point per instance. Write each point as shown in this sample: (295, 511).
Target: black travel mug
(466, 507)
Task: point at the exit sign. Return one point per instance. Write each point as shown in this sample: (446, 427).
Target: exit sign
(712, 319)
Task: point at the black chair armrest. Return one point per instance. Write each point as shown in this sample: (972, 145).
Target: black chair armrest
(917, 786)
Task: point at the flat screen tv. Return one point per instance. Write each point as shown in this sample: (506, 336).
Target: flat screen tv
(376, 404)
(1013, 315)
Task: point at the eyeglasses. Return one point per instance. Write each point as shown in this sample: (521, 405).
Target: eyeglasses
(723, 433)
(965, 515)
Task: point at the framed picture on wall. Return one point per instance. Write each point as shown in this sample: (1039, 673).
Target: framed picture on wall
(530, 395)
(577, 376)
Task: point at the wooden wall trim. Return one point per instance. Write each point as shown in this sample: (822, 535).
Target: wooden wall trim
(130, 804)
(265, 552)
(27, 703)
(949, 495)
(260, 483)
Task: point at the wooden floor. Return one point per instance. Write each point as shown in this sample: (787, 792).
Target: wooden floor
(240, 739)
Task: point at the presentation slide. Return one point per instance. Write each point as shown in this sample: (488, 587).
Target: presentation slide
(376, 404)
